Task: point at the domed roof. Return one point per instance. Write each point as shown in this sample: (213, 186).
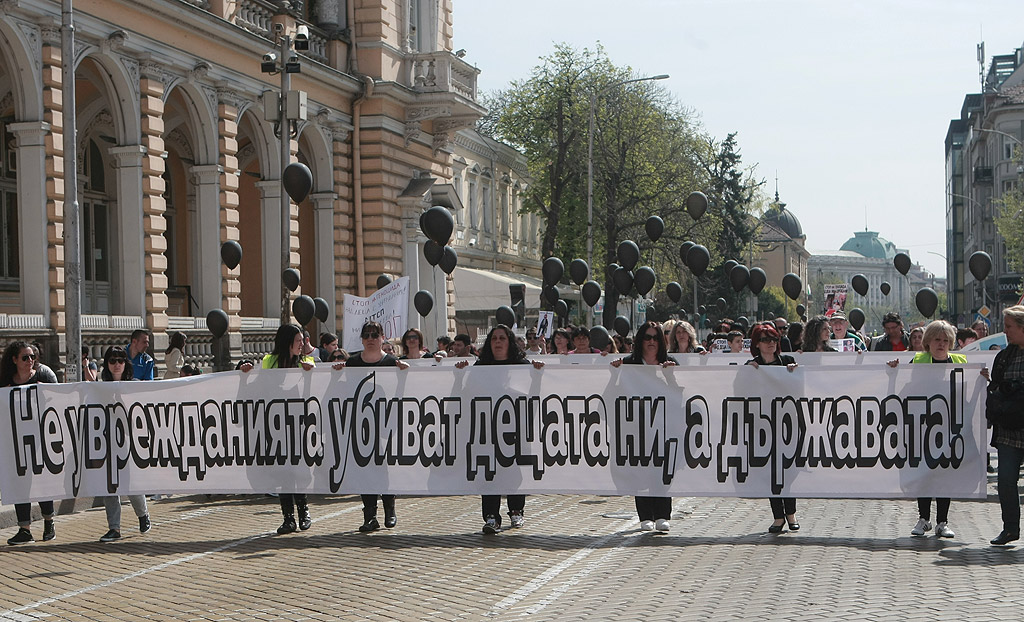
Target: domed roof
(868, 244)
(784, 219)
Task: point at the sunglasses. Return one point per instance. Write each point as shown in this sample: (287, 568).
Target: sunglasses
(770, 340)
(648, 336)
(25, 358)
(117, 361)
(369, 335)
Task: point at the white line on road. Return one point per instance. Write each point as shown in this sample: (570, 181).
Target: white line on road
(20, 614)
(548, 575)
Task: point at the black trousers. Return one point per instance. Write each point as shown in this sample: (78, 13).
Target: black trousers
(782, 506)
(924, 508)
(490, 505)
(24, 511)
(1010, 459)
(289, 501)
(653, 508)
(370, 505)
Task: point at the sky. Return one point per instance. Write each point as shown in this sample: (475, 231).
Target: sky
(848, 103)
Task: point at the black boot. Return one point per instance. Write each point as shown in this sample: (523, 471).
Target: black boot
(369, 520)
(390, 518)
(305, 522)
(288, 526)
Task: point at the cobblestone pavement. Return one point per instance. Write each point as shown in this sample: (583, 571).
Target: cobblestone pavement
(577, 558)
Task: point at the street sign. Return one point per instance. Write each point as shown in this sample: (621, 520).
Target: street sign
(984, 310)
(978, 317)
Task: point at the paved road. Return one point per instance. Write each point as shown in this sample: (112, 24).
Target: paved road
(577, 558)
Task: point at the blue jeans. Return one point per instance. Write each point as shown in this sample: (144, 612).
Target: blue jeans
(1010, 459)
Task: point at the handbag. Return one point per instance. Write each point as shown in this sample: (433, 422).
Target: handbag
(1004, 404)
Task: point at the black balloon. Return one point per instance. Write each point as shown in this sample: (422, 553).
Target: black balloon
(684, 248)
(433, 252)
(579, 271)
(231, 254)
(654, 227)
(383, 281)
(550, 294)
(291, 279)
(927, 301)
(980, 264)
(610, 270)
(801, 309)
(591, 293)
(860, 284)
(437, 224)
(698, 258)
(791, 285)
(621, 325)
(643, 280)
(298, 181)
(449, 259)
(744, 322)
(885, 287)
(729, 265)
(599, 337)
(739, 276)
(856, 318)
(552, 270)
(902, 263)
(424, 302)
(321, 310)
(623, 280)
(674, 291)
(702, 310)
(505, 315)
(722, 305)
(628, 253)
(696, 205)
(217, 322)
(303, 308)
(758, 279)
(561, 308)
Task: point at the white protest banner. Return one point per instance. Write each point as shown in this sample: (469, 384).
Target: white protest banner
(842, 431)
(389, 306)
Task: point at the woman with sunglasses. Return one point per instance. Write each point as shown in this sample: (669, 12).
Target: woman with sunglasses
(289, 351)
(116, 368)
(764, 343)
(649, 348)
(18, 367)
(501, 348)
(373, 355)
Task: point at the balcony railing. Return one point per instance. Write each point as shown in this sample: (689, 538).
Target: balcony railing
(255, 16)
(442, 72)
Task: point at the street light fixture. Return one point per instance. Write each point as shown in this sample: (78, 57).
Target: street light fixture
(590, 160)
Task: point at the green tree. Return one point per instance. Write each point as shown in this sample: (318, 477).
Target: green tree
(1010, 224)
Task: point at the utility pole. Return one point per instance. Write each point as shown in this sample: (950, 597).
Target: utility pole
(72, 230)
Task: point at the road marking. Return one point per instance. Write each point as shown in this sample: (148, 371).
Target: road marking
(19, 614)
(551, 573)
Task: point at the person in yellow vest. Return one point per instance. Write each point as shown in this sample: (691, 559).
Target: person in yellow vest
(939, 338)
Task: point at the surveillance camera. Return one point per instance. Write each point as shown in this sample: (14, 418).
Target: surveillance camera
(270, 57)
(293, 66)
(269, 64)
(302, 37)
(472, 242)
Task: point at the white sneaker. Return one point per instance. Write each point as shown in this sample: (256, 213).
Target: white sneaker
(942, 530)
(921, 527)
(663, 525)
(517, 519)
(647, 525)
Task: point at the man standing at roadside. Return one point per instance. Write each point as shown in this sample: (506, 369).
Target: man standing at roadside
(142, 363)
(895, 338)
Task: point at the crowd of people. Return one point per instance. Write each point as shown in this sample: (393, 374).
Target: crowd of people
(652, 343)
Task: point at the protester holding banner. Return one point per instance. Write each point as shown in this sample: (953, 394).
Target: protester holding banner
(764, 343)
(560, 341)
(289, 346)
(116, 369)
(653, 512)
(916, 339)
(412, 344)
(17, 367)
(373, 355)
(1008, 371)
(581, 341)
(816, 335)
(500, 349)
(682, 339)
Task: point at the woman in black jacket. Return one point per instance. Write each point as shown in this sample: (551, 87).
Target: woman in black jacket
(1007, 370)
(501, 349)
(764, 342)
(649, 349)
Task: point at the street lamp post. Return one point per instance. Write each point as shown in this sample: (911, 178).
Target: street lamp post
(72, 231)
(590, 163)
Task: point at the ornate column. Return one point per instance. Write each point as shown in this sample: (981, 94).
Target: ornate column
(53, 146)
(270, 254)
(35, 254)
(206, 231)
(344, 222)
(323, 216)
(153, 205)
(227, 131)
(132, 237)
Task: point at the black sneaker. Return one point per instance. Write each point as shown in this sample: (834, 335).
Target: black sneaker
(288, 526)
(110, 536)
(49, 533)
(24, 536)
(492, 526)
(145, 524)
(370, 525)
